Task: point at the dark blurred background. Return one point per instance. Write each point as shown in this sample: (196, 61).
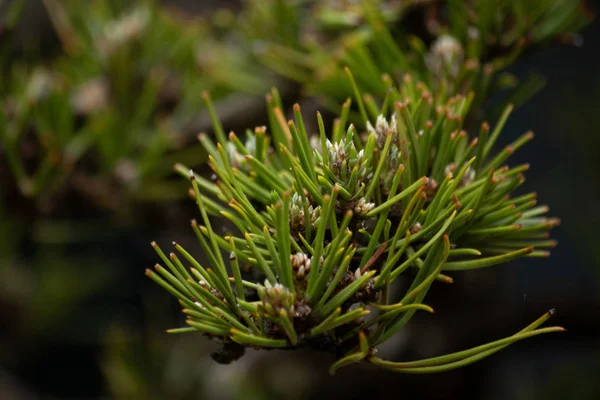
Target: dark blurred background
(80, 320)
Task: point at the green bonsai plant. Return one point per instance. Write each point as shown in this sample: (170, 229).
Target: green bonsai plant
(328, 223)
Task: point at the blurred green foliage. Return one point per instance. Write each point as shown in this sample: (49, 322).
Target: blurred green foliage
(458, 45)
(111, 114)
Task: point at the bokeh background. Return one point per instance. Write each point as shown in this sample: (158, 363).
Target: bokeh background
(78, 318)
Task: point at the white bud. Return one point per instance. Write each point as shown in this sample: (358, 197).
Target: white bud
(362, 207)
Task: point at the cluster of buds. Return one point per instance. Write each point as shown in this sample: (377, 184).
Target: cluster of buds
(431, 187)
(445, 57)
(343, 159)
(301, 264)
(381, 129)
(299, 207)
(276, 299)
(319, 284)
(393, 161)
(362, 207)
(416, 228)
(384, 126)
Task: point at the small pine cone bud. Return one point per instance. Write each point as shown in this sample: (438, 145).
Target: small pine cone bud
(357, 273)
(362, 207)
(415, 228)
(393, 160)
(296, 218)
(431, 188)
(336, 155)
(301, 272)
(299, 260)
(275, 298)
(382, 127)
(199, 305)
(297, 212)
(315, 213)
(343, 158)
